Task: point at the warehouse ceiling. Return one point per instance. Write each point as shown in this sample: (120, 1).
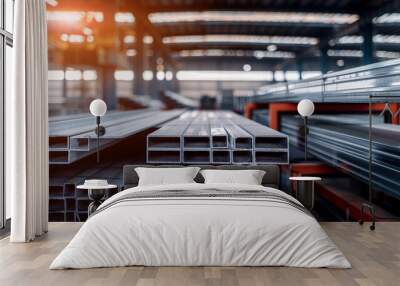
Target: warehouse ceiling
(277, 33)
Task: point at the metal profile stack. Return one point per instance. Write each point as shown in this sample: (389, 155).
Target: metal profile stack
(164, 144)
(66, 202)
(72, 137)
(216, 138)
(343, 142)
(62, 202)
(345, 146)
(351, 85)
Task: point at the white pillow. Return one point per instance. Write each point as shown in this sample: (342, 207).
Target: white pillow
(166, 176)
(248, 177)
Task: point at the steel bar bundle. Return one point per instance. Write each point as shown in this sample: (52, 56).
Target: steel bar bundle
(346, 146)
(220, 137)
(72, 137)
(351, 85)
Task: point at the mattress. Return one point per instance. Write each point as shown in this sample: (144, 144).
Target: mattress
(201, 225)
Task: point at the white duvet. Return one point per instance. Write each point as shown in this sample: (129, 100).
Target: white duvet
(206, 231)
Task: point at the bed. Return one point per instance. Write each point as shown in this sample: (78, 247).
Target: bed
(201, 224)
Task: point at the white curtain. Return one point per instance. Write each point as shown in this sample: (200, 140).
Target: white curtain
(26, 124)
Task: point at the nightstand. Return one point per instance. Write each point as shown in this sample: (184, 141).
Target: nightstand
(305, 190)
(97, 194)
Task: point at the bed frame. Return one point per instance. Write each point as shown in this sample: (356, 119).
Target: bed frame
(271, 177)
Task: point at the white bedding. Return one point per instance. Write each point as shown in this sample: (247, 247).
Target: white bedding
(200, 231)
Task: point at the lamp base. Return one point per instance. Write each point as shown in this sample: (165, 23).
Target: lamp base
(100, 130)
(373, 214)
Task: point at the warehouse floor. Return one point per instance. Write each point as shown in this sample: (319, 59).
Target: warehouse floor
(374, 257)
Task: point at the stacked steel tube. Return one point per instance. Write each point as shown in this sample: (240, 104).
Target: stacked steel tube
(72, 138)
(351, 85)
(205, 137)
(346, 146)
(344, 142)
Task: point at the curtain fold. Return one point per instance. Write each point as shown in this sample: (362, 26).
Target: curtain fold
(27, 124)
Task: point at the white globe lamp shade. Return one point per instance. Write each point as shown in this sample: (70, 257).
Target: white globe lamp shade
(305, 108)
(98, 107)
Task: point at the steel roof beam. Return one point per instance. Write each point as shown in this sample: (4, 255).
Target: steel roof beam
(365, 17)
(138, 8)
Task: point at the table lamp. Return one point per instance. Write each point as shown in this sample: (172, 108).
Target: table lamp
(98, 108)
(305, 108)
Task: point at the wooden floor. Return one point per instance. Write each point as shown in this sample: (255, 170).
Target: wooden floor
(375, 257)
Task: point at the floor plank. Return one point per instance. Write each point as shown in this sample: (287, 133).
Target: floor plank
(375, 257)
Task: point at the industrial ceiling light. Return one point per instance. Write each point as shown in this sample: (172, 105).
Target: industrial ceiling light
(279, 76)
(305, 108)
(72, 38)
(345, 53)
(131, 53)
(89, 75)
(90, 39)
(340, 63)
(387, 39)
(75, 16)
(129, 39)
(55, 75)
(160, 75)
(245, 16)
(247, 67)
(98, 108)
(147, 39)
(258, 54)
(254, 39)
(124, 17)
(124, 75)
(387, 18)
(169, 75)
(87, 31)
(65, 16)
(223, 75)
(147, 75)
(357, 39)
(292, 75)
(71, 74)
(53, 3)
(387, 54)
(310, 74)
(272, 48)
